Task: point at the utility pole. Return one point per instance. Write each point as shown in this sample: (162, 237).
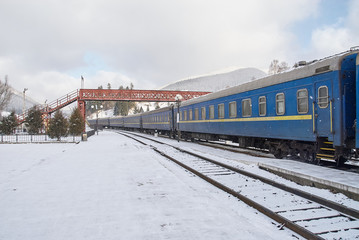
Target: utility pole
(24, 106)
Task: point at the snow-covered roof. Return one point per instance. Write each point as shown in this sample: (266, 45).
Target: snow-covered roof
(315, 67)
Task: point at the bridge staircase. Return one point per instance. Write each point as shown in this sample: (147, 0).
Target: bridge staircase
(53, 106)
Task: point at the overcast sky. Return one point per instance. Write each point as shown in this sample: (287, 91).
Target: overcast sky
(46, 45)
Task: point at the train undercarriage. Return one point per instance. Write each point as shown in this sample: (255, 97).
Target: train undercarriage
(312, 152)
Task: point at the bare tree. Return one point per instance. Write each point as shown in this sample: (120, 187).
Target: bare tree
(276, 67)
(5, 94)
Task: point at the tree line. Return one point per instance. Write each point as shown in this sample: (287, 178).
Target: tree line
(58, 126)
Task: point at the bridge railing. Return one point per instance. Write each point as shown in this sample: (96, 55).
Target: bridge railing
(54, 105)
(61, 102)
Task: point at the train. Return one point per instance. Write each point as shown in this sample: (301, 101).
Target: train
(309, 112)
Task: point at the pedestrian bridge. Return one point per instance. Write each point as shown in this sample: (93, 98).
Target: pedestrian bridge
(83, 95)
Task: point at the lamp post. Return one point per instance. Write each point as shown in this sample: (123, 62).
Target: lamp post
(82, 82)
(23, 106)
(97, 111)
(178, 99)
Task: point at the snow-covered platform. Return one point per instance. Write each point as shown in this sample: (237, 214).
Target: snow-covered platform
(316, 176)
(309, 174)
(111, 187)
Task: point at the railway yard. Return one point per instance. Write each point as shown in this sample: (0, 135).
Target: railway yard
(121, 185)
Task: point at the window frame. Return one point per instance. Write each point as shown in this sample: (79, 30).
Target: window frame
(221, 105)
(231, 114)
(262, 103)
(278, 101)
(203, 113)
(250, 107)
(306, 98)
(211, 112)
(327, 97)
(196, 114)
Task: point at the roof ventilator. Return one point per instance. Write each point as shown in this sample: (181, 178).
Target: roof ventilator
(302, 63)
(322, 69)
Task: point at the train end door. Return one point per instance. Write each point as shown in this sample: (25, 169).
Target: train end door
(323, 108)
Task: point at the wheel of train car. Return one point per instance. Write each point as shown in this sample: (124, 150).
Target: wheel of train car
(340, 161)
(304, 155)
(278, 153)
(310, 157)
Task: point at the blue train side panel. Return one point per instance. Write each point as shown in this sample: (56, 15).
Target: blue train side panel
(160, 119)
(357, 104)
(133, 121)
(269, 126)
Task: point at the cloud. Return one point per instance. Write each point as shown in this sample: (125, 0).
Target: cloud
(48, 45)
(338, 37)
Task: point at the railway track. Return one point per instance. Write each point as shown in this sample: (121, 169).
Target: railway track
(352, 166)
(309, 216)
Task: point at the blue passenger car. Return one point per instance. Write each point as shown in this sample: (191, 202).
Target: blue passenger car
(309, 111)
(160, 120)
(132, 122)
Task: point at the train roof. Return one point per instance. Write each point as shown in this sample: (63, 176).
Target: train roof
(309, 69)
(157, 110)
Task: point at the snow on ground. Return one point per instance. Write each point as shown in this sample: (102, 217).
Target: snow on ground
(111, 187)
(249, 163)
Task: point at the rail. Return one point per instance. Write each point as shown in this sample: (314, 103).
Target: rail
(298, 210)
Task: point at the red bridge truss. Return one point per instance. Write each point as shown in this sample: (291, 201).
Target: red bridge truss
(83, 95)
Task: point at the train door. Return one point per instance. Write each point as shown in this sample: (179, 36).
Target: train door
(323, 121)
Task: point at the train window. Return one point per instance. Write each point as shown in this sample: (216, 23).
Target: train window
(323, 96)
(190, 113)
(246, 107)
(211, 112)
(302, 101)
(262, 102)
(181, 113)
(280, 103)
(221, 110)
(185, 115)
(233, 109)
(196, 114)
(203, 113)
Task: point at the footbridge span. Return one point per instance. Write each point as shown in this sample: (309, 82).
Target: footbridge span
(83, 95)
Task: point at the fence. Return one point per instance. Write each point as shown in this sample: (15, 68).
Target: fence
(41, 138)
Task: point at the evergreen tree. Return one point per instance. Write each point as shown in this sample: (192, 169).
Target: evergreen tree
(34, 121)
(116, 110)
(8, 124)
(76, 123)
(138, 109)
(123, 107)
(58, 126)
